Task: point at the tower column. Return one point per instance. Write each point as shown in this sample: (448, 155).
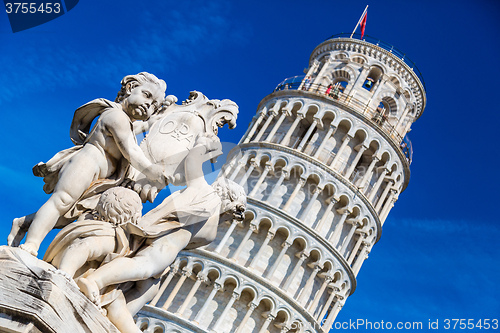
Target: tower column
(267, 168)
(245, 239)
(376, 88)
(238, 168)
(216, 287)
(328, 134)
(286, 140)
(354, 163)
(302, 256)
(164, 285)
(229, 305)
(407, 128)
(338, 228)
(402, 118)
(308, 134)
(380, 179)
(326, 65)
(268, 321)
(305, 291)
(241, 163)
(270, 118)
(333, 313)
(256, 125)
(359, 262)
(200, 277)
(285, 247)
(368, 172)
(296, 190)
(320, 293)
(361, 238)
(328, 209)
(250, 169)
(382, 198)
(345, 141)
(170, 299)
(347, 240)
(310, 72)
(329, 302)
(284, 114)
(276, 186)
(226, 236)
(251, 308)
(316, 192)
(227, 168)
(388, 206)
(361, 74)
(269, 236)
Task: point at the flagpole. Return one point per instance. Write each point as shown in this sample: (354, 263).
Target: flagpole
(359, 21)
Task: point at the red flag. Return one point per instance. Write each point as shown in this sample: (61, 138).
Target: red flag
(363, 25)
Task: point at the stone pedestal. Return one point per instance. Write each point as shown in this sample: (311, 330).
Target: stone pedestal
(33, 298)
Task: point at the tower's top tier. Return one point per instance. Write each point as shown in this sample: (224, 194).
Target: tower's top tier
(384, 70)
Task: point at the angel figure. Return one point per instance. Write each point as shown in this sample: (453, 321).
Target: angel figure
(86, 244)
(99, 161)
(186, 219)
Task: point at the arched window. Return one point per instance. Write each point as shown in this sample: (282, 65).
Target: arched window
(373, 76)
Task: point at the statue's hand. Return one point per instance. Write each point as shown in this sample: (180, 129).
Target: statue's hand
(146, 192)
(148, 188)
(155, 173)
(145, 189)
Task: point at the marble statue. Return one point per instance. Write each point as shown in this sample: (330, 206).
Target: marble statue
(116, 255)
(181, 140)
(103, 154)
(186, 219)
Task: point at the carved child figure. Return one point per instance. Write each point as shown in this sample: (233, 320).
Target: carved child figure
(186, 219)
(105, 153)
(85, 244)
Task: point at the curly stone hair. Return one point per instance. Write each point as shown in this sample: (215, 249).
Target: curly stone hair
(119, 205)
(229, 191)
(136, 80)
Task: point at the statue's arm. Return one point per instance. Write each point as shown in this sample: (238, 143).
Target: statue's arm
(119, 127)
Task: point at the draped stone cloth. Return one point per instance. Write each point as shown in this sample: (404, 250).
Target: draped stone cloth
(89, 228)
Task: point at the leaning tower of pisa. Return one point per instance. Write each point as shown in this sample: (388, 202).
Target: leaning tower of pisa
(324, 160)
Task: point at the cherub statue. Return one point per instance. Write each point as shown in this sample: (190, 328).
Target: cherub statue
(104, 154)
(85, 244)
(186, 219)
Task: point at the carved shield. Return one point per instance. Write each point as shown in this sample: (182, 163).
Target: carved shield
(170, 139)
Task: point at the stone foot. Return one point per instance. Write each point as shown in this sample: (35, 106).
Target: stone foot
(30, 248)
(90, 289)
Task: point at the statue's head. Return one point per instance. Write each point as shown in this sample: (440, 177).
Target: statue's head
(153, 89)
(119, 205)
(233, 199)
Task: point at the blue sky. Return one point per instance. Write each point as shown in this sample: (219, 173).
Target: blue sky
(437, 257)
